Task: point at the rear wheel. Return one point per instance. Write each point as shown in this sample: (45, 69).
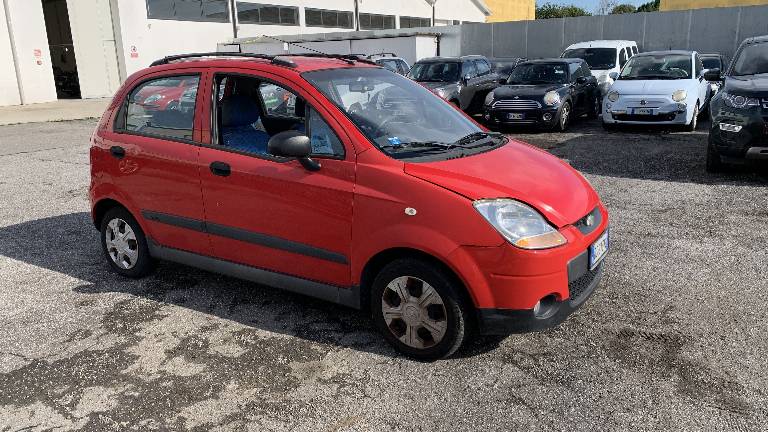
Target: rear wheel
(124, 244)
(417, 307)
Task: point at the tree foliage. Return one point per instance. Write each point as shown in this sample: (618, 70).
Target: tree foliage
(549, 10)
(623, 9)
(651, 6)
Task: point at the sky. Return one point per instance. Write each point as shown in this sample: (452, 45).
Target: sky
(588, 5)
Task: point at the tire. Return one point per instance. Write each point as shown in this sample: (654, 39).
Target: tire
(690, 127)
(714, 163)
(564, 118)
(594, 111)
(128, 256)
(404, 326)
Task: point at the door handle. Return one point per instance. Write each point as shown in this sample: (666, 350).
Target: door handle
(221, 169)
(117, 151)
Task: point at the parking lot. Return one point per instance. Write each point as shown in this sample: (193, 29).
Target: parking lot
(673, 339)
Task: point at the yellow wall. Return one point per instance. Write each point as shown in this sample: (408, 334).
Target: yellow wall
(511, 10)
(667, 5)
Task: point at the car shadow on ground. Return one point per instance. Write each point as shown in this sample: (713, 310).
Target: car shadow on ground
(69, 244)
(639, 152)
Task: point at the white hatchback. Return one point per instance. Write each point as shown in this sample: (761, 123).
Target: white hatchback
(661, 87)
(603, 57)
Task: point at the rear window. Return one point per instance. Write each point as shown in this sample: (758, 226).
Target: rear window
(596, 58)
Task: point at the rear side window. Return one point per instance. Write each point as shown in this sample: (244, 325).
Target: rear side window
(163, 107)
(634, 50)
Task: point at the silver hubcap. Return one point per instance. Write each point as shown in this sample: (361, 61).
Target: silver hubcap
(121, 242)
(414, 312)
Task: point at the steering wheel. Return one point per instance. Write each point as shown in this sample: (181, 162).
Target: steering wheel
(678, 72)
(392, 118)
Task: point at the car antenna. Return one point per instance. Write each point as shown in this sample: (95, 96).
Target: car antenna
(324, 54)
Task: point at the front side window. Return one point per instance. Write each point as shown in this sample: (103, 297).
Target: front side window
(482, 67)
(596, 58)
(752, 60)
(249, 112)
(189, 10)
(539, 73)
(435, 72)
(622, 58)
(253, 13)
(163, 107)
(468, 70)
(400, 117)
(664, 66)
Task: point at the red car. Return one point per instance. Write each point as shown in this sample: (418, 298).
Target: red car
(360, 187)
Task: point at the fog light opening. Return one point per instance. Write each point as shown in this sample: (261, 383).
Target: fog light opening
(547, 117)
(546, 307)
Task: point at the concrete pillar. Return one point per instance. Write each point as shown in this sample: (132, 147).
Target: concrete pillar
(29, 47)
(9, 86)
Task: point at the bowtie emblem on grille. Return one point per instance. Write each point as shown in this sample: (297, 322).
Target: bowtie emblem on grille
(643, 102)
(517, 97)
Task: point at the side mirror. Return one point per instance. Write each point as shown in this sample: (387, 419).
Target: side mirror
(466, 78)
(581, 80)
(293, 144)
(712, 74)
(613, 75)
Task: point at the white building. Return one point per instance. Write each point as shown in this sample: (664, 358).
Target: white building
(53, 49)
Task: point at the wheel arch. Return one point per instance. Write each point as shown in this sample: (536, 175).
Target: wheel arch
(378, 261)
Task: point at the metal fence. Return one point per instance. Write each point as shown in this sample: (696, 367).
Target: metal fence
(718, 30)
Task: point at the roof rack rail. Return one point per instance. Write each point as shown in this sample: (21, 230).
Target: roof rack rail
(274, 59)
(349, 58)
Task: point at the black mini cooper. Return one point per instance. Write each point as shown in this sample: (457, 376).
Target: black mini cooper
(548, 93)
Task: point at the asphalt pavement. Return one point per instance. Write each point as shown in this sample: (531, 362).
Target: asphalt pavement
(673, 339)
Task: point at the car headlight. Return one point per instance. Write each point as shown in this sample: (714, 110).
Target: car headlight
(679, 95)
(613, 96)
(552, 98)
(738, 101)
(489, 98)
(153, 98)
(520, 224)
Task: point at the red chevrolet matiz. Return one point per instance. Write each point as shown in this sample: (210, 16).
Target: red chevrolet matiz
(335, 178)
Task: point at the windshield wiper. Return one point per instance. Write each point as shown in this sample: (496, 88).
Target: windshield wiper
(476, 136)
(427, 144)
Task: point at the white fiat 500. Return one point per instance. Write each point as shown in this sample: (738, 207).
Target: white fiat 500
(661, 87)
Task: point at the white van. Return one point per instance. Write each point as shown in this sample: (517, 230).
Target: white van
(603, 57)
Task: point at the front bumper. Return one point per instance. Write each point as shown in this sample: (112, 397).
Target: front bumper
(651, 110)
(750, 142)
(508, 284)
(545, 117)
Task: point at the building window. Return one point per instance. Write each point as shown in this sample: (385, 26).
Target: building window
(254, 13)
(189, 10)
(411, 22)
(328, 18)
(376, 22)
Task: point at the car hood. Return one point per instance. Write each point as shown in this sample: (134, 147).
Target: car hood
(751, 85)
(519, 171)
(510, 91)
(653, 87)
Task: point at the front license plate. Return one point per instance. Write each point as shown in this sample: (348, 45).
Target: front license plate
(515, 116)
(643, 111)
(597, 250)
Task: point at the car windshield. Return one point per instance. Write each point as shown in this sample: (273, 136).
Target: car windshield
(663, 67)
(539, 73)
(711, 62)
(437, 72)
(752, 60)
(402, 118)
(596, 58)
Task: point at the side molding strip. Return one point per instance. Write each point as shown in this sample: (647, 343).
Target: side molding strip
(343, 296)
(245, 236)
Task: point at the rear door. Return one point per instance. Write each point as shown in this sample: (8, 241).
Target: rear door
(154, 149)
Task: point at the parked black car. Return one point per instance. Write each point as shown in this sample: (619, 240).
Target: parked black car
(739, 131)
(547, 93)
(504, 66)
(463, 81)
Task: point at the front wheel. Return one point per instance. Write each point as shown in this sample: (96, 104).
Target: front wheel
(565, 117)
(690, 127)
(417, 307)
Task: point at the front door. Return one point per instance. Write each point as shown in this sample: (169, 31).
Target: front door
(270, 212)
(154, 154)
